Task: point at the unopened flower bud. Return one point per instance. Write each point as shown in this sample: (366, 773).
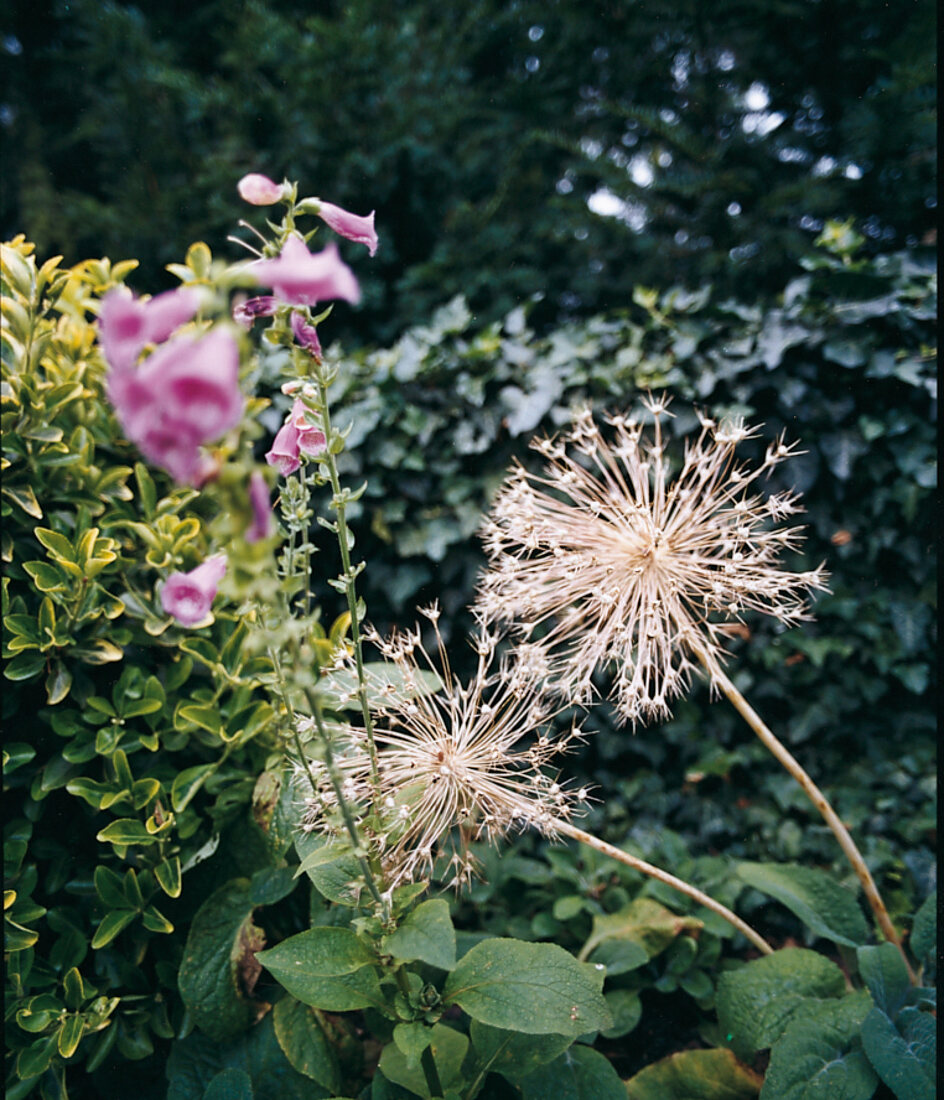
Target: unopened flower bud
(259, 190)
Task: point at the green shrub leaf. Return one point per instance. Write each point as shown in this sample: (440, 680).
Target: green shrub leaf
(885, 975)
(219, 950)
(449, 1049)
(756, 1002)
(327, 968)
(904, 1056)
(825, 907)
(578, 1074)
(538, 988)
(426, 934)
(924, 930)
(820, 1055)
(695, 1075)
(303, 1041)
(514, 1054)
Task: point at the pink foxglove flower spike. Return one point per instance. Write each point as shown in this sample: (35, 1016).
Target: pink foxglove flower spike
(259, 190)
(188, 596)
(299, 278)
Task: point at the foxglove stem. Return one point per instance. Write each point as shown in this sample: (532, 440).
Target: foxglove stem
(349, 823)
(347, 575)
(819, 800)
(565, 828)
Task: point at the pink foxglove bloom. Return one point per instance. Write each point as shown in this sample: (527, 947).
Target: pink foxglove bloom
(126, 323)
(300, 279)
(259, 190)
(295, 437)
(188, 596)
(306, 335)
(261, 526)
(183, 395)
(244, 313)
(352, 226)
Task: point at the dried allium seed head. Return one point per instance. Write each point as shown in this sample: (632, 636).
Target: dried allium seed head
(458, 763)
(627, 566)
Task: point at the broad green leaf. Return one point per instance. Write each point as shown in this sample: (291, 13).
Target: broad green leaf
(230, 1084)
(756, 1002)
(448, 1049)
(24, 666)
(626, 1010)
(923, 940)
(327, 968)
(195, 1061)
(426, 934)
(580, 1073)
(538, 988)
(628, 939)
(512, 1053)
(220, 946)
(695, 1075)
(300, 1035)
(905, 1056)
(885, 975)
(412, 1039)
(331, 867)
(820, 1056)
(825, 907)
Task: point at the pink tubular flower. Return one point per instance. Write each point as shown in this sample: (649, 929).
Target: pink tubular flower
(126, 323)
(301, 279)
(296, 436)
(306, 335)
(261, 526)
(183, 395)
(244, 313)
(259, 190)
(188, 596)
(352, 226)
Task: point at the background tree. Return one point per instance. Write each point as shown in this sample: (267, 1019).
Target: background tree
(568, 149)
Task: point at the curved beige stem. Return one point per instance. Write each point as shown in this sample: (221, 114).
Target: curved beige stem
(566, 829)
(818, 799)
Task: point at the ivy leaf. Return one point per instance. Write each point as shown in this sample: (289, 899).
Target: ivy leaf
(538, 988)
(426, 934)
(327, 968)
(695, 1075)
(756, 1002)
(218, 953)
(825, 907)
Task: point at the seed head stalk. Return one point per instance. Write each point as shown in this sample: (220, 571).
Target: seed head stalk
(720, 681)
(565, 828)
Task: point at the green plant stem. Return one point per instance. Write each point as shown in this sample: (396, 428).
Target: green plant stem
(567, 829)
(428, 1062)
(349, 823)
(819, 800)
(348, 577)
